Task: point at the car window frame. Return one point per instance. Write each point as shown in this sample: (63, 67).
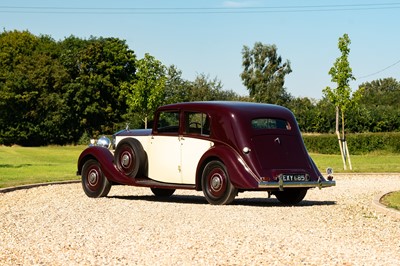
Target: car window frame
(156, 127)
(205, 122)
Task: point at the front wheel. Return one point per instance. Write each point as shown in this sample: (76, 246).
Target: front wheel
(217, 187)
(94, 183)
(291, 196)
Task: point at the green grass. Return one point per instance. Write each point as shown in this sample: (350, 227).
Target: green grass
(392, 200)
(22, 165)
(369, 163)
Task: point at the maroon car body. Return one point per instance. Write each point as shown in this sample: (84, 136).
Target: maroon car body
(220, 148)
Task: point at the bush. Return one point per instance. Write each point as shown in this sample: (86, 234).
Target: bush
(84, 139)
(358, 143)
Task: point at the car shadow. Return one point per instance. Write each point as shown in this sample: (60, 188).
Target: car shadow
(254, 202)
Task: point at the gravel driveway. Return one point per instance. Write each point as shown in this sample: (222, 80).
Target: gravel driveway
(59, 225)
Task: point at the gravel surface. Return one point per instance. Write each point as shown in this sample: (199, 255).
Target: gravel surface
(59, 225)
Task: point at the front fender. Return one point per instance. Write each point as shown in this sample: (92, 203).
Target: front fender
(106, 160)
(240, 173)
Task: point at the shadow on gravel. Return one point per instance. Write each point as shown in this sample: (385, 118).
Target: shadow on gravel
(255, 202)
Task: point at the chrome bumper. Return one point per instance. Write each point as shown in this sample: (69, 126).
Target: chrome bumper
(306, 184)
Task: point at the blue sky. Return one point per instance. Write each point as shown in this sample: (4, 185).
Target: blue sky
(208, 36)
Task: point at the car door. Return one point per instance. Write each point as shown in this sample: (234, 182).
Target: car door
(192, 149)
(173, 157)
(194, 143)
(164, 154)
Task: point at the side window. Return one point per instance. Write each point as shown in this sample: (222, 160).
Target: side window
(197, 123)
(168, 122)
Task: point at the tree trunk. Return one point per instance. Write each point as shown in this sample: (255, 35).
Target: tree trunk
(345, 154)
(339, 139)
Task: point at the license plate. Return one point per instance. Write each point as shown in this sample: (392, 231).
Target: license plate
(294, 178)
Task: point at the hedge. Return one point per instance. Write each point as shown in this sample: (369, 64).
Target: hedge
(358, 143)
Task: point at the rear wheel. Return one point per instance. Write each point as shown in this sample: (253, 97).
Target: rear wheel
(94, 183)
(291, 196)
(130, 157)
(217, 187)
(162, 192)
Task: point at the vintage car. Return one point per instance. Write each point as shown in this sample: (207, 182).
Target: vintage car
(220, 148)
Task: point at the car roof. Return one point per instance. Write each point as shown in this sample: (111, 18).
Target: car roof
(232, 107)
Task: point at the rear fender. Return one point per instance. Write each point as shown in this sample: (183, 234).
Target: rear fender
(106, 160)
(240, 174)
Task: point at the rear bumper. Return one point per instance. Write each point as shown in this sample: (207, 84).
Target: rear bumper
(306, 184)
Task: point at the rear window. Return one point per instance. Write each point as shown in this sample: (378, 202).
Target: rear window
(270, 123)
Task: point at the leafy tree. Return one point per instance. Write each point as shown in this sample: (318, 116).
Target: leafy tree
(380, 92)
(98, 71)
(324, 121)
(147, 93)
(205, 89)
(313, 116)
(264, 74)
(53, 92)
(31, 111)
(378, 106)
(341, 74)
(176, 88)
(72, 49)
(305, 110)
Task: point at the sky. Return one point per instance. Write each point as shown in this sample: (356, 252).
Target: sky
(207, 37)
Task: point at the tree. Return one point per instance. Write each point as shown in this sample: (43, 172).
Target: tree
(147, 93)
(177, 89)
(101, 66)
(264, 74)
(380, 92)
(340, 96)
(53, 92)
(203, 88)
(378, 104)
(31, 110)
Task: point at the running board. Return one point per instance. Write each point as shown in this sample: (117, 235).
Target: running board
(145, 182)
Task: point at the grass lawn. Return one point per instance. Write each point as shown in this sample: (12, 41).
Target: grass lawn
(392, 200)
(370, 163)
(373, 163)
(23, 165)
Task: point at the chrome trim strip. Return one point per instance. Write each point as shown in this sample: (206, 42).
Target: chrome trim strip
(281, 185)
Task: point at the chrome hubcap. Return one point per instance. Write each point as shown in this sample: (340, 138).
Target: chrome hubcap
(93, 177)
(216, 182)
(125, 160)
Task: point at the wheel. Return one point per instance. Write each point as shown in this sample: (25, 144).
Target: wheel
(217, 187)
(130, 157)
(291, 196)
(94, 183)
(162, 192)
